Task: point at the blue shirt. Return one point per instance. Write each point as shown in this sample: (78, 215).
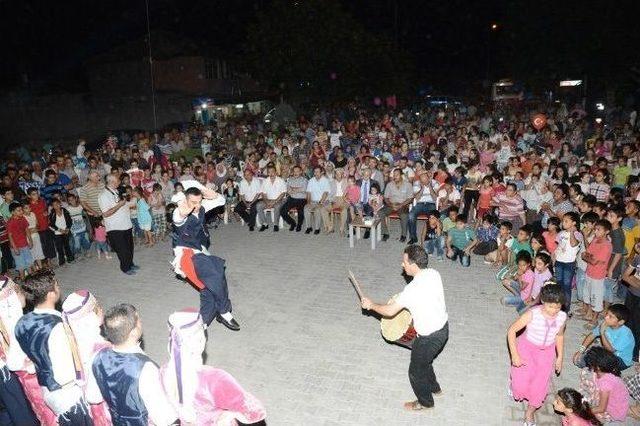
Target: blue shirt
(621, 340)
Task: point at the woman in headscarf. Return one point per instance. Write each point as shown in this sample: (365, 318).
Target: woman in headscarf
(84, 315)
(203, 395)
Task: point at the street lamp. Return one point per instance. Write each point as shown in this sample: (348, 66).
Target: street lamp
(494, 26)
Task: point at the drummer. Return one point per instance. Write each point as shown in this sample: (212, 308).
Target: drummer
(424, 298)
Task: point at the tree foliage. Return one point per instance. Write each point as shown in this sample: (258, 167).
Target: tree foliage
(315, 48)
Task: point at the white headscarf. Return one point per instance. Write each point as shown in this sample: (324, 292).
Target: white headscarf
(80, 310)
(186, 344)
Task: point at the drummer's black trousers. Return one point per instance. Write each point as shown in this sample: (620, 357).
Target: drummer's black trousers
(421, 375)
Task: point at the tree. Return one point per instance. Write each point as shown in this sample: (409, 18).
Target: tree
(314, 48)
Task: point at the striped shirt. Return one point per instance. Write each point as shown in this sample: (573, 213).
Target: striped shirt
(89, 194)
(599, 190)
(509, 207)
(542, 331)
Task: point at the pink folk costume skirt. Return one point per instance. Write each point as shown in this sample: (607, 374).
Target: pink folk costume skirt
(33, 393)
(531, 380)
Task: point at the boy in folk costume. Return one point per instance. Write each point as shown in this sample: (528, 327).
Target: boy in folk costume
(192, 258)
(204, 395)
(13, 398)
(127, 379)
(84, 315)
(50, 345)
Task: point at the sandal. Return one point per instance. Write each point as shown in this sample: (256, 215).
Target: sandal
(414, 406)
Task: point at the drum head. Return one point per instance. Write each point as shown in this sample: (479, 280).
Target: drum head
(394, 328)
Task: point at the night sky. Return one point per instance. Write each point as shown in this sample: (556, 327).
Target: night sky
(446, 40)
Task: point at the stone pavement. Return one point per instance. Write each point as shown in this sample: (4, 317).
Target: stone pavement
(305, 348)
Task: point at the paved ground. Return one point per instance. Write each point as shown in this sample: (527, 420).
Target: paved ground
(305, 348)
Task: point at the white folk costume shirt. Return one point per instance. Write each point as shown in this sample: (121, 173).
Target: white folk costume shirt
(64, 371)
(272, 190)
(250, 190)
(424, 298)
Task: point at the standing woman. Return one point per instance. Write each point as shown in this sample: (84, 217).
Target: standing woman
(471, 189)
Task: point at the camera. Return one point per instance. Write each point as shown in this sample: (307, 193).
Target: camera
(122, 193)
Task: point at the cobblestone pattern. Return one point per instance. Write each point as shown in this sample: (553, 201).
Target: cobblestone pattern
(305, 348)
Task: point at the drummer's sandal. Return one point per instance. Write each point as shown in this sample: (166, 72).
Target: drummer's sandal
(415, 406)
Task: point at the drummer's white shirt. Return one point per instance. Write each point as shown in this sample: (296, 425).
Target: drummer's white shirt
(424, 298)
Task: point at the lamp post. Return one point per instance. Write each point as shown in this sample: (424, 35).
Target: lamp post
(492, 28)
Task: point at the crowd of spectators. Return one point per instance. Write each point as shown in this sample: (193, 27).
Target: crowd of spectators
(560, 203)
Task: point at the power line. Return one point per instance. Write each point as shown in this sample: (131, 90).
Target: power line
(153, 91)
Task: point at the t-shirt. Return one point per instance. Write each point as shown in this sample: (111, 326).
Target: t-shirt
(621, 339)
(424, 298)
(121, 219)
(565, 252)
(631, 233)
(39, 208)
(78, 225)
(617, 243)
(539, 278)
(601, 251)
(517, 247)
(447, 224)
(618, 402)
(17, 228)
(461, 238)
(527, 279)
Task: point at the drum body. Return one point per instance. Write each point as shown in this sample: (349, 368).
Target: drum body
(399, 329)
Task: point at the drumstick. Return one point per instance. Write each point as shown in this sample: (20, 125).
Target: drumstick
(355, 285)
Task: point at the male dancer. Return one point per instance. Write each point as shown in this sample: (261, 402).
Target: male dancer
(424, 298)
(127, 379)
(50, 345)
(192, 258)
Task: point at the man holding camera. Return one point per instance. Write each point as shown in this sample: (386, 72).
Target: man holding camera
(117, 221)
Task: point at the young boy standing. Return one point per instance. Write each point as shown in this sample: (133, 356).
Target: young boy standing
(597, 258)
(614, 216)
(20, 239)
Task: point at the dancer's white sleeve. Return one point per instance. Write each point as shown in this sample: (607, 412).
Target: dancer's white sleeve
(208, 204)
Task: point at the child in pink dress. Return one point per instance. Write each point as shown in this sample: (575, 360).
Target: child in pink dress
(538, 350)
(609, 397)
(575, 410)
(352, 197)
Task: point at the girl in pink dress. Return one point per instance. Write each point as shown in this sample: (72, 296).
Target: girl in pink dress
(84, 315)
(203, 395)
(535, 353)
(575, 410)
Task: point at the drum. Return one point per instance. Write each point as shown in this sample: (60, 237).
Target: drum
(399, 329)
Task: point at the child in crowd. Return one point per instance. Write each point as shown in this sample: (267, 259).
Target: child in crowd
(487, 236)
(597, 258)
(568, 246)
(537, 244)
(79, 232)
(541, 275)
(449, 222)
(537, 352)
(230, 193)
(486, 195)
(521, 285)
(157, 202)
(375, 200)
(100, 236)
(588, 224)
(608, 395)
(352, 197)
(460, 241)
(132, 203)
(618, 252)
(144, 215)
(432, 236)
(20, 239)
(60, 223)
(499, 256)
(614, 336)
(36, 247)
(7, 259)
(574, 409)
(520, 243)
(550, 235)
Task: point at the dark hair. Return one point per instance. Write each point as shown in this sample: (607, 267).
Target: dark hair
(564, 189)
(590, 200)
(192, 191)
(36, 286)
(552, 293)
(573, 400)
(554, 221)
(118, 323)
(489, 218)
(526, 229)
(524, 256)
(417, 255)
(461, 218)
(157, 187)
(13, 206)
(507, 225)
(589, 217)
(544, 257)
(605, 224)
(452, 209)
(599, 359)
(32, 190)
(618, 210)
(574, 217)
(620, 311)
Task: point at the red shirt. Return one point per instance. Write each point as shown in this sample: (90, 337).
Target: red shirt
(17, 229)
(39, 209)
(601, 251)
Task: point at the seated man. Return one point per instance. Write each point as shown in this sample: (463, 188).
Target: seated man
(398, 195)
(318, 190)
(297, 191)
(273, 192)
(250, 190)
(204, 395)
(614, 336)
(425, 193)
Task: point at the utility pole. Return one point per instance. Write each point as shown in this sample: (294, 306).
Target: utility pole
(153, 91)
